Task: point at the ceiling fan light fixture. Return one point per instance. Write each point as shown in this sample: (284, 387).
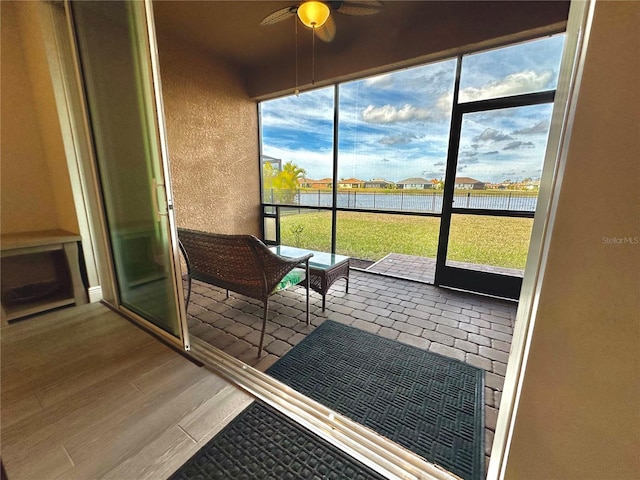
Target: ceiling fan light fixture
(313, 14)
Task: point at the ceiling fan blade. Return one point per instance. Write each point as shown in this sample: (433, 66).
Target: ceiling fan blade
(279, 15)
(360, 7)
(327, 32)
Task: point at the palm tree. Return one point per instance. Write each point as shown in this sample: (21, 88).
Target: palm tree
(286, 182)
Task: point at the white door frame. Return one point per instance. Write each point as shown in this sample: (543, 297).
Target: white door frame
(576, 41)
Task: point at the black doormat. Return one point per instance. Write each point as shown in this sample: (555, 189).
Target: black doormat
(428, 403)
(263, 444)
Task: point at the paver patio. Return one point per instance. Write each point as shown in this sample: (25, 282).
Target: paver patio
(468, 327)
(423, 269)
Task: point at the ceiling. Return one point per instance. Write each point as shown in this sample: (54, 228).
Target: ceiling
(231, 29)
(404, 32)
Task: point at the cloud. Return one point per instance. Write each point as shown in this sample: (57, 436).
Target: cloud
(388, 114)
(439, 164)
(492, 152)
(401, 139)
(380, 81)
(518, 145)
(513, 84)
(467, 157)
(444, 103)
(492, 135)
(467, 161)
(542, 127)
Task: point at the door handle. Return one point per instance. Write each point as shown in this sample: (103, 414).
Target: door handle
(156, 204)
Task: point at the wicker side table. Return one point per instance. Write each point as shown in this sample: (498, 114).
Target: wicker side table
(324, 268)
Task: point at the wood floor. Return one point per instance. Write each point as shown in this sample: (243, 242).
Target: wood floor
(86, 394)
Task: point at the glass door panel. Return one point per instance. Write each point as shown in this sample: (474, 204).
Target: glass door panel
(500, 158)
(489, 244)
(523, 68)
(113, 50)
(495, 191)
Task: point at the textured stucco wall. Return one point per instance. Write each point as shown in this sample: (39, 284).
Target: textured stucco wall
(579, 415)
(212, 130)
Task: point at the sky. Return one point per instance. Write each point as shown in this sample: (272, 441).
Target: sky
(396, 125)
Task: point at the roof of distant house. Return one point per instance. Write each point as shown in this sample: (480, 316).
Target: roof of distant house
(351, 180)
(309, 180)
(413, 181)
(466, 180)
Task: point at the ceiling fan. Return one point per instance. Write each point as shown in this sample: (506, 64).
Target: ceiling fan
(317, 15)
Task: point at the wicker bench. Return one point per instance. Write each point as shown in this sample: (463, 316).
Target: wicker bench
(242, 264)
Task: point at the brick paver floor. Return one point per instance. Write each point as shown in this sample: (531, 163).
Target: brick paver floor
(470, 328)
(410, 267)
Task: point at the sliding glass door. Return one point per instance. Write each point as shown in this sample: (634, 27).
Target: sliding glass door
(499, 130)
(124, 112)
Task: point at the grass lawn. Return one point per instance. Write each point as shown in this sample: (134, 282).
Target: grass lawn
(496, 241)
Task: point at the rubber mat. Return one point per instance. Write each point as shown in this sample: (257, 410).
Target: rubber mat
(263, 444)
(428, 403)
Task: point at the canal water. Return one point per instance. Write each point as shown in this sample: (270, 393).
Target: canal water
(416, 202)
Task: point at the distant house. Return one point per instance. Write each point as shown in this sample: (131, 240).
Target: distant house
(466, 183)
(317, 184)
(378, 183)
(351, 183)
(415, 184)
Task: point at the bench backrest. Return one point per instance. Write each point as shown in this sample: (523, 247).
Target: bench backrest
(241, 263)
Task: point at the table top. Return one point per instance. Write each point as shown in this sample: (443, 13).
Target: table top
(320, 260)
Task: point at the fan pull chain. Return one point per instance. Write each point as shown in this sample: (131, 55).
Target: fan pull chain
(313, 55)
(295, 22)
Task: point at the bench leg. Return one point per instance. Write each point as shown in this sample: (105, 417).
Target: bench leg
(264, 325)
